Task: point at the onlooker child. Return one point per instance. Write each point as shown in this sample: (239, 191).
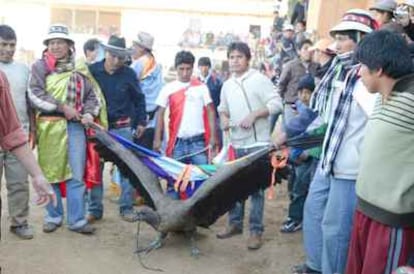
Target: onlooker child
(303, 162)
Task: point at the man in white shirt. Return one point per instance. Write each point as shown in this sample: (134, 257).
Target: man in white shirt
(191, 116)
(247, 99)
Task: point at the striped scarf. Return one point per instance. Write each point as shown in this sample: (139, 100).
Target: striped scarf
(337, 127)
(336, 72)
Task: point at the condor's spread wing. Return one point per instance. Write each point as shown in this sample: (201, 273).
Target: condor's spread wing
(130, 165)
(231, 183)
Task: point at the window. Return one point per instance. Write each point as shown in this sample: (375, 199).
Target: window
(86, 21)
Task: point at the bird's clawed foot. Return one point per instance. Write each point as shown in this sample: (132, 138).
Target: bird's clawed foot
(195, 252)
(157, 243)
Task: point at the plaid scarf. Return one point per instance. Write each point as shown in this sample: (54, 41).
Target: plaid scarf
(76, 88)
(75, 91)
(320, 99)
(337, 127)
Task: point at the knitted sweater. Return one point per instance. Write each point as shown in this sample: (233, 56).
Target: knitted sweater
(385, 184)
(240, 96)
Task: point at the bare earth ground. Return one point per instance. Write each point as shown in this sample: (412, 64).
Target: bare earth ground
(110, 250)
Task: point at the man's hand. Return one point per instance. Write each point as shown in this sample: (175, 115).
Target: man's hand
(139, 131)
(70, 113)
(248, 121)
(156, 145)
(87, 119)
(214, 146)
(44, 191)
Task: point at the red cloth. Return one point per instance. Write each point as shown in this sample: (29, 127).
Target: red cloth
(176, 101)
(93, 174)
(376, 248)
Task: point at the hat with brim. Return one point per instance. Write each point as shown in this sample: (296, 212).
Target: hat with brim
(409, 3)
(117, 46)
(58, 31)
(384, 5)
(355, 19)
(144, 40)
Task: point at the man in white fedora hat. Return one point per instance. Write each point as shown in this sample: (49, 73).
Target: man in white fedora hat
(125, 104)
(344, 105)
(149, 74)
(65, 98)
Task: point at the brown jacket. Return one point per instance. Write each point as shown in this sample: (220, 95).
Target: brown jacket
(289, 80)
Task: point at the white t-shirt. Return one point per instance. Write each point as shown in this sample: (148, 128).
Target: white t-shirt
(196, 98)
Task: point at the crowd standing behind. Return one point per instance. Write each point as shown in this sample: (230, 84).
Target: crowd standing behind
(352, 195)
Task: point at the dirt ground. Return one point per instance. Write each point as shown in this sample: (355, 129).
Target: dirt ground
(111, 249)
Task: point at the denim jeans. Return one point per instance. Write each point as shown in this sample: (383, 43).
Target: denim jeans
(75, 187)
(126, 200)
(301, 180)
(94, 198)
(236, 214)
(187, 147)
(327, 222)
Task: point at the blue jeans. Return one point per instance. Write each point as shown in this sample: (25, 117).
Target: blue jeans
(327, 222)
(95, 201)
(126, 200)
(184, 147)
(236, 214)
(75, 187)
(301, 180)
(191, 146)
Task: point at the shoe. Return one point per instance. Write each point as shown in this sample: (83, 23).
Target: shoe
(92, 218)
(50, 227)
(290, 227)
(129, 216)
(229, 232)
(86, 229)
(287, 220)
(304, 269)
(24, 232)
(254, 242)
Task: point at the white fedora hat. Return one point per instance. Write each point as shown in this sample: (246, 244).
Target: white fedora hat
(145, 40)
(58, 31)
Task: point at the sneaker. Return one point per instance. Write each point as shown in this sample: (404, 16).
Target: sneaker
(129, 216)
(254, 242)
(24, 232)
(50, 227)
(290, 227)
(304, 269)
(86, 229)
(287, 220)
(229, 232)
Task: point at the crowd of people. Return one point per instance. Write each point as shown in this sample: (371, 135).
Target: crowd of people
(351, 195)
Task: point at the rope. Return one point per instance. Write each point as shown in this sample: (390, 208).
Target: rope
(278, 162)
(139, 254)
